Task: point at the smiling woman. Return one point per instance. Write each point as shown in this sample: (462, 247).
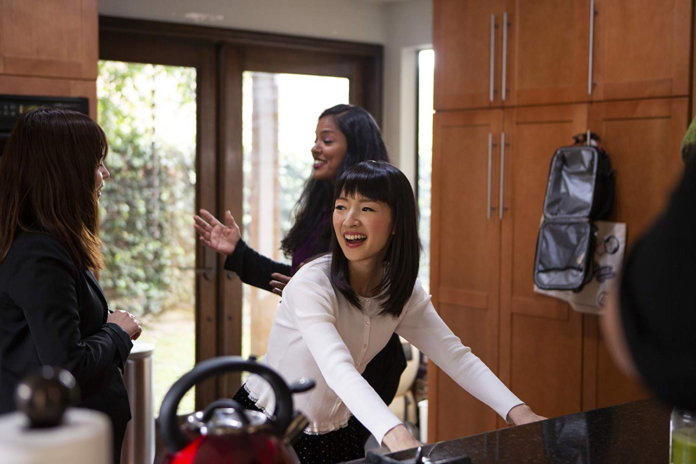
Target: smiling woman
(340, 310)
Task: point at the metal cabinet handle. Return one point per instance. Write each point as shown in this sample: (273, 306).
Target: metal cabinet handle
(502, 175)
(492, 70)
(505, 27)
(589, 74)
(490, 162)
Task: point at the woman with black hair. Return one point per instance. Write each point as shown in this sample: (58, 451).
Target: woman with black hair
(339, 310)
(345, 136)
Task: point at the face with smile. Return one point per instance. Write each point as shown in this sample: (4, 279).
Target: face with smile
(329, 149)
(100, 175)
(363, 228)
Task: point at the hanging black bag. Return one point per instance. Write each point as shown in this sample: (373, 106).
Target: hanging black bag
(580, 189)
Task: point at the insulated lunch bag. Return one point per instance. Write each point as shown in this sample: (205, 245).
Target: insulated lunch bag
(580, 189)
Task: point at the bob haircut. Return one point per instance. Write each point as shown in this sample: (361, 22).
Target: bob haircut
(380, 181)
(47, 176)
(364, 142)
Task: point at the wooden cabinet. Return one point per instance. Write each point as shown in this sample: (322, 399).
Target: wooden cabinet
(466, 249)
(547, 56)
(481, 261)
(49, 38)
(643, 139)
(642, 49)
(540, 337)
(467, 38)
(509, 52)
(49, 48)
(505, 53)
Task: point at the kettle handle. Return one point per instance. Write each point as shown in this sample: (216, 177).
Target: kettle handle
(175, 440)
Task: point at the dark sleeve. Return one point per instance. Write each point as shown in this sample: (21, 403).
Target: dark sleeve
(122, 341)
(253, 268)
(657, 299)
(661, 268)
(44, 285)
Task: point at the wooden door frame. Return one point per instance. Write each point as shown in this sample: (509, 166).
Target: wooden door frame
(256, 48)
(221, 55)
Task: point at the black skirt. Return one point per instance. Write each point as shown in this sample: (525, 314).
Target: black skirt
(345, 444)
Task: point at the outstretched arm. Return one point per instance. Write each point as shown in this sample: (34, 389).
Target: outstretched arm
(252, 267)
(423, 327)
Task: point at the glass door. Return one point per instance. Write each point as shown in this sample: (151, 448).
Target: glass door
(149, 115)
(156, 103)
(280, 113)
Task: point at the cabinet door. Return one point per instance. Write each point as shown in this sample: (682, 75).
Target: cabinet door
(48, 38)
(547, 53)
(642, 48)
(465, 42)
(643, 140)
(540, 337)
(465, 259)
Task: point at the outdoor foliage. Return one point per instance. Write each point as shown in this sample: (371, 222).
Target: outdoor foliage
(146, 206)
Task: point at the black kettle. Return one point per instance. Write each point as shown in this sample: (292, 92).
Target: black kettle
(225, 432)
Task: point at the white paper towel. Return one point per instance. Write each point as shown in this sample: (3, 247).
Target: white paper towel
(84, 437)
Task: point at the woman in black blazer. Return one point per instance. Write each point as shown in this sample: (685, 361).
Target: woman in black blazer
(52, 310)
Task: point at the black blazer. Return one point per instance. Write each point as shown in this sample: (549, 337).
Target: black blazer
(52, 313)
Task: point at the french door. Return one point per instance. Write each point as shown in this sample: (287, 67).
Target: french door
(256, 99)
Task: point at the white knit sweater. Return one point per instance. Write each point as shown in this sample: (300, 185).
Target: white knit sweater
(318, 334)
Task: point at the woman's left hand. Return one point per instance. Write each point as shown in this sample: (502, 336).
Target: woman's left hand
(523, 414)
(279, 283)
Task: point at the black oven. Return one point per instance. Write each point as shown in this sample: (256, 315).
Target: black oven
(13, 106)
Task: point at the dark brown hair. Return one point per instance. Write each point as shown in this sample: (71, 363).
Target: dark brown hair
(380, 181)
(47, 174)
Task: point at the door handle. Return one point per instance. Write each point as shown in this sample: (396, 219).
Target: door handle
(591, 54)
(502, 175)
(490, 162)
(492, 66)
(505, 28)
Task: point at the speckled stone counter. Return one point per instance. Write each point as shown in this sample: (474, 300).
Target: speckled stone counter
(636, 432)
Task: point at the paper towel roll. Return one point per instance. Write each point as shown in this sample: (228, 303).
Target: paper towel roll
(84, 437)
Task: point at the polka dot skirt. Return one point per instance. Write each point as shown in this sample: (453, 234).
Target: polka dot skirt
(345, 444)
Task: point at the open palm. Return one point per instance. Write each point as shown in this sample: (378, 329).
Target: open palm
(222, 238)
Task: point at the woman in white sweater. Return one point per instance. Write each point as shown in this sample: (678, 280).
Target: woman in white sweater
(340, 310)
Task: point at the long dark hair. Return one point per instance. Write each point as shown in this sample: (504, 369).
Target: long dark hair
(364, 143)
(47, 175)
(380, 181)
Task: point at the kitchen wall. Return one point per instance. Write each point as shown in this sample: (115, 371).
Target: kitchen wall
(409, 28)
(402, 26)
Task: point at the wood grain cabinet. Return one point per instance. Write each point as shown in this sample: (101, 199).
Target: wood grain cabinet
(642, 49)
(467, 40)
(540, 337)
(510, 52)
(49, 38)
(505, 53)
(466, 248)
(482, 256)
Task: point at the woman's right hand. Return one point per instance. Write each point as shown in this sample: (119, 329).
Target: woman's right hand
(216, 235)
(127, 322)
(399, 438)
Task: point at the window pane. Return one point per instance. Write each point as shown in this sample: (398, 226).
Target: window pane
(149, 115)
(426, 68)
(280, 118)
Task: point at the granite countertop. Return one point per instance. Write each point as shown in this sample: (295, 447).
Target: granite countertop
(636, 432)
